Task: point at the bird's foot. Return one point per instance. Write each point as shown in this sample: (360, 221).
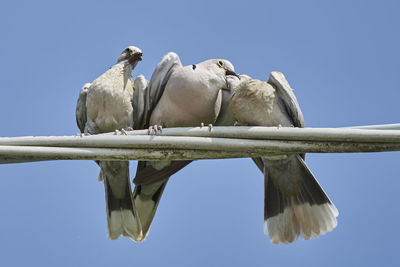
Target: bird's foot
(122, 132)
(82, 134)
(150, 130)
(155, 129)
(209, 126)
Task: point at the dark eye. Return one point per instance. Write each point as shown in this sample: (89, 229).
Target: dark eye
(220, 63)
(128, 50)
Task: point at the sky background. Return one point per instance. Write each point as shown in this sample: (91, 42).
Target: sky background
(341, 57)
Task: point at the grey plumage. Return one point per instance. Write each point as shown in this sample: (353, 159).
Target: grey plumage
(111, 102)
(294, 204)
(138, 102)
(81, 116)
(177, 96)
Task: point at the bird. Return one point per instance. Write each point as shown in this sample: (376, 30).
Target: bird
(111, 103)
(294, 203)
(177, 96)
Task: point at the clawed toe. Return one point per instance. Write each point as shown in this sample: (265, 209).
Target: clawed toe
(155, 129)
(122, 131)
(209, 126)
(82, 134)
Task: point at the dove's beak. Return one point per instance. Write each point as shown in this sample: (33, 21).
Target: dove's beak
(229, 72)
(136, 56)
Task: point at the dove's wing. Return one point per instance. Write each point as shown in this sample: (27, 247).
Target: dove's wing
(225, 116)
(157, 84)
(81, 116)
(285, 93)
(140, 86)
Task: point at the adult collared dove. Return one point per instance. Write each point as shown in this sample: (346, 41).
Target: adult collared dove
(111, 102)
(176, 96)
(294, 204)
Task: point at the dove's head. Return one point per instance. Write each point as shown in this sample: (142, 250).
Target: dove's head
(225, 66)
(222, 68)
(86, 87)
(219, 66)
(131, 54)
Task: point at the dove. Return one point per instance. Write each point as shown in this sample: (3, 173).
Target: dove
(112, 103)
(294, 203)
(177, 96)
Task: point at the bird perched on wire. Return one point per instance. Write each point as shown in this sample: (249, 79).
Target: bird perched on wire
(109, 103)
(177, 96)
(294, 202)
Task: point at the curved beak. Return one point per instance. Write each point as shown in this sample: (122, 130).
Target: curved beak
(137, 56)
(229, 72)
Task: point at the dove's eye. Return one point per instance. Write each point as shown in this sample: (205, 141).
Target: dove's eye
(220, 63)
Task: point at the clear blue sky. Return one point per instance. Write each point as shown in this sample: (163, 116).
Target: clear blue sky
(341, 57)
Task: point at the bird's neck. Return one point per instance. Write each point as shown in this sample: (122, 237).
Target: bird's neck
(127, 65)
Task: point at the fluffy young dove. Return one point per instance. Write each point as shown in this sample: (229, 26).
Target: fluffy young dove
(294, 203)
(110, 103)
(177, 96)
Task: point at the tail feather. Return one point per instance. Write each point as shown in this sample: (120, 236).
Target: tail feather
(122, 217)
(147, 174)
(146, 198)
(295, 204)
(130, 225)
(150, 183)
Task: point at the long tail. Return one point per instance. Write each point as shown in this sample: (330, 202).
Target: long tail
(295, 204)
(150, 185)
(122, 216)
(146, 199)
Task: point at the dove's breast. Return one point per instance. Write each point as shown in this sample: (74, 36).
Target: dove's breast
(109, 105)
(256, 103)
(190, 97)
